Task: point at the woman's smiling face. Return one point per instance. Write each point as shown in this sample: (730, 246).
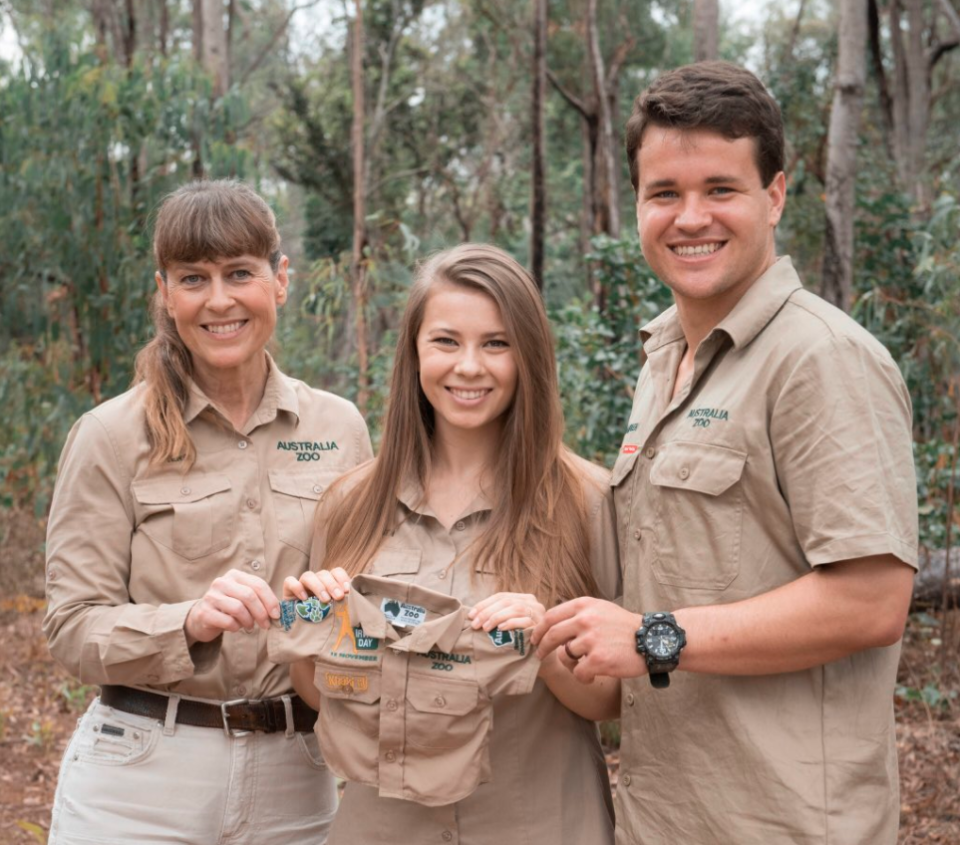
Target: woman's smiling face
(468, 370)
(225, 311)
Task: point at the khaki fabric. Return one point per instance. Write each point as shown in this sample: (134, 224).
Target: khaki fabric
(406, 688)
(124, 779)
(548, 775)
(131, 548)
(789, 449)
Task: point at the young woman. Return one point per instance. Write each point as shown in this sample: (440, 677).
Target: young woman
(473, 494)
(179, 509)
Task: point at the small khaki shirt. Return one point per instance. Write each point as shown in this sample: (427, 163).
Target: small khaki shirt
(790, 448)
(130, 548)
(548, 774)
(406, 687)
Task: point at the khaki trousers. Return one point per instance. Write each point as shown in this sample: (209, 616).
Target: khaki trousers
(127, 780)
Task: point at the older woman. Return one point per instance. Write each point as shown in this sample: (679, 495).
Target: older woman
(180, 508)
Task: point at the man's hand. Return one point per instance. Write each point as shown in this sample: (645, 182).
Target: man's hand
(233, 602)
(599, 634)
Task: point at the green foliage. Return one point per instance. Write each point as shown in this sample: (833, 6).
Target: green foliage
(599, 353)
(87, 150)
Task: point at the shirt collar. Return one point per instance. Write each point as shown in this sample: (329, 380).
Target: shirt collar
(363, 603)
(412, 497)
(278, 395)
(763, 299)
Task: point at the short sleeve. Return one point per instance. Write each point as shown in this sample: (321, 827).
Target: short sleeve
(507, 662)
(303, 641)
(841, 431)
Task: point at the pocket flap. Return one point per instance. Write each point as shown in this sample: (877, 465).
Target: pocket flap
(347, 684)
(453, 698)
(699, 467)
(396, 562)
(189, 488)
(625, 462)
(304, 485)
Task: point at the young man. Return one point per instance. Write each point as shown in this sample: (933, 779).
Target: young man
(766, 511)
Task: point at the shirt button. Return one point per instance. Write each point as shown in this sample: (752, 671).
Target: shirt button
(460, 525)
(447, 836)
(684, 472)
(442, 574)
(317, 488)
(630, 699)
(440, 701)
(240, 689)
(153, 678)
(255, 564)
(637, 534)
(391, 704)
(184, 491)
(242, 444)
(649, 451)
(390, 756)
(625, 780)
(251, 504)
(52, 574)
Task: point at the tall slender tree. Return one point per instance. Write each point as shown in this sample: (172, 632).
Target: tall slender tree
(837, 283)
(538, 200)
(357, 263)
(706, 23)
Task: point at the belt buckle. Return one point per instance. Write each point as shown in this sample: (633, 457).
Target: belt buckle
(228, 731)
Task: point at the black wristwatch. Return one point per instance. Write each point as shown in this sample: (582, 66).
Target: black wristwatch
(660, 640)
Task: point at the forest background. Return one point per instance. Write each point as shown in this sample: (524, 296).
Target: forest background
(381, 130)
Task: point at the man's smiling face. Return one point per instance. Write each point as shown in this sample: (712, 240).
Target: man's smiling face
(705, 220)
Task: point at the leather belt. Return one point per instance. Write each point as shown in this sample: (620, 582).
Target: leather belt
(266, 714)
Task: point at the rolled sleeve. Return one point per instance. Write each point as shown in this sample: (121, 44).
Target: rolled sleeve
(93, 629)
(842, 437)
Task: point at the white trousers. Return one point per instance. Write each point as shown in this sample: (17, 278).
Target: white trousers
(130, 780)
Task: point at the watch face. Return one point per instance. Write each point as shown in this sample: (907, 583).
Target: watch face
(662, 640)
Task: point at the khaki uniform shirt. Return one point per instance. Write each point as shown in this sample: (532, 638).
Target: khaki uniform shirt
(789, 449)
(406, 687)
(130, 549)
(548, 775)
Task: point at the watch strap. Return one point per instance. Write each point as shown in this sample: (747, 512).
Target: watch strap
(659, 680)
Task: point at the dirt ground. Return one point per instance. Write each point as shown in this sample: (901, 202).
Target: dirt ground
(40, 704)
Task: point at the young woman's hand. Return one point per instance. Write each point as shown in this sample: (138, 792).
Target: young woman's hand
(233, 602)
(507, 611)
(327, 585)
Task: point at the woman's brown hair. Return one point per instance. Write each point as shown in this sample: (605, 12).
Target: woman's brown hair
(200, 221)
(537, 538)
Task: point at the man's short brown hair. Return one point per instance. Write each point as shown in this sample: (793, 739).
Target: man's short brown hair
(717, 96)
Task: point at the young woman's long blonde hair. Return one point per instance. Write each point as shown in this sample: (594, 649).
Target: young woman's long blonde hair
(200, 221)
(537, 538)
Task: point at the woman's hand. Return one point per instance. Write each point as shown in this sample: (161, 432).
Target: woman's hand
(507, 611)
(233, 602)
(327, 585)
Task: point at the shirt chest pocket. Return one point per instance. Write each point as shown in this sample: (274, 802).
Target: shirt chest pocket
(699, 514)
(295, 497)
(402, 564)
(438, 713)
(192, 515)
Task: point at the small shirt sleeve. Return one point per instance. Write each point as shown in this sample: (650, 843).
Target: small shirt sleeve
(842, 437)
(507, 661)
(93, 629)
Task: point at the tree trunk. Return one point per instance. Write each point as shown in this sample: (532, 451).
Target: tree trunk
(358, 268)
(214, 46)
(197, 22)
(607, 208)
(538, 200)
(911, 96)
(837, 284)
(706, 22)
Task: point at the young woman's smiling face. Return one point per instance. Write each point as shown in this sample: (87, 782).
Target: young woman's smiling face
(468, 370)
